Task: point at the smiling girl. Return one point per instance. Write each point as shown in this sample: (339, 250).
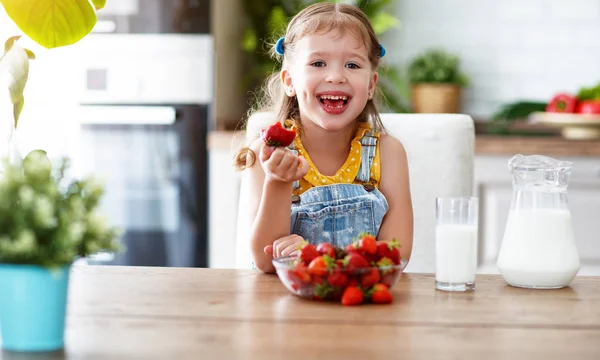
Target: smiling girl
(342, 175)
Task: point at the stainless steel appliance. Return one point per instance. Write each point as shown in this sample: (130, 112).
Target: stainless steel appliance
(145, 111)
(154, 17)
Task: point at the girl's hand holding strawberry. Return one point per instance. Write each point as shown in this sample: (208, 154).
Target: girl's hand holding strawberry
(281, 164)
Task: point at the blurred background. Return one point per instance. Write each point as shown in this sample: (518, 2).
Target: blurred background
(152, 99)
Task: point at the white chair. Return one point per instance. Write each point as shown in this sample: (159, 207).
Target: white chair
(440, 150)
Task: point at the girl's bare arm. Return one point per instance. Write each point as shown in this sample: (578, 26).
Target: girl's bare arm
(269, 202)
(398, 222)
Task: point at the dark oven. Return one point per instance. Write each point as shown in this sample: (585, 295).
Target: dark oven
(145, 109)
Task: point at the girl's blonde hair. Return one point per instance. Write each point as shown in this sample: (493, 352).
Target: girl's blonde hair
(319, 18)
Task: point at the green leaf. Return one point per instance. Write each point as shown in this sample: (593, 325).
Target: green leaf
(15, 63)
(383, 22)
(99, 4)
(277, 21)
(53, 23)
(249, 41)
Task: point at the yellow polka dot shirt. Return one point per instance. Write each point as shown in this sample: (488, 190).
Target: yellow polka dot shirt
(347, 173)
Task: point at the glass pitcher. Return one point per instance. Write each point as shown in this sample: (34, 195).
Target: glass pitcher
(538, 249)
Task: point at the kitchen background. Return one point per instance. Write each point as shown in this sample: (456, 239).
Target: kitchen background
(510, 49)
(150, 99)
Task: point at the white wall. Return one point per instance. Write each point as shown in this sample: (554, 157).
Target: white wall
(512, 49)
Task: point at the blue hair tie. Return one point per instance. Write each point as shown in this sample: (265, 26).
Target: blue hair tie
(279, 46)
(381, 51)
(280, 50)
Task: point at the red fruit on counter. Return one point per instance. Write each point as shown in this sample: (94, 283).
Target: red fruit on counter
(352, 296)
(276, 135)
(381, 294)
(562, 103)
(588, 107)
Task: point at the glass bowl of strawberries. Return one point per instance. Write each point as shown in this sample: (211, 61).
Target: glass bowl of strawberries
(362, 272)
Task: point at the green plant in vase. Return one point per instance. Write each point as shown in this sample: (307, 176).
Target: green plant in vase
(436, 81)
(47, 221)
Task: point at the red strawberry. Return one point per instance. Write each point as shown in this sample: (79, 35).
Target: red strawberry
(299, 276)
(326, 249)
(350, 247)
(277, 135)
(381, 294)
(338, 279)
(355, 260)
(352, 296)
(320, 265)
(368, 245)
(390, 250)
(369, 279)
(308, 252)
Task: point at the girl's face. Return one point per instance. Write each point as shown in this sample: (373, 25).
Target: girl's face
(332, 78)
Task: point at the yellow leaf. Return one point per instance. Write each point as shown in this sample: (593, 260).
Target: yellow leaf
(53, 23)
(99, 4)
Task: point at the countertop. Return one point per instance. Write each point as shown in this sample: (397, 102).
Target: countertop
(189, 313)
(484, 144)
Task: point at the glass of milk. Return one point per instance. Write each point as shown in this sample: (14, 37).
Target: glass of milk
(456, 243)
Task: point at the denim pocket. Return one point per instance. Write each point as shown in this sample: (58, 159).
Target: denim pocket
(336, 224)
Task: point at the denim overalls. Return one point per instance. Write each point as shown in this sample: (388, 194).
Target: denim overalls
(339, 213)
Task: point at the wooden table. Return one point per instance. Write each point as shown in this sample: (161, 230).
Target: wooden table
(184, 313)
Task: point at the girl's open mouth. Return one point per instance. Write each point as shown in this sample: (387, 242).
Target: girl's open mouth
(334, 104)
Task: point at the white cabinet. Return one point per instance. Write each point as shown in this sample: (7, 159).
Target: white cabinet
(493, 185)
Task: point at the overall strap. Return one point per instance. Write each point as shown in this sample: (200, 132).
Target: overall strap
(293, 149)
(369, 146)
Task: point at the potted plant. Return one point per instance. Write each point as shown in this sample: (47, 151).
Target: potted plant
(436, 82)
(47, 220)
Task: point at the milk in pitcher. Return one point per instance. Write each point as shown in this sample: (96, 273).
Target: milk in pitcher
(538, 249)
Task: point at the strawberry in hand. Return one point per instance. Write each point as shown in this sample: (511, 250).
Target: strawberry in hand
(276, 135)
